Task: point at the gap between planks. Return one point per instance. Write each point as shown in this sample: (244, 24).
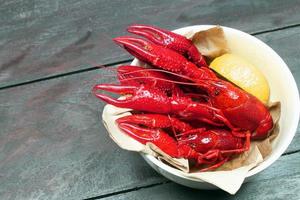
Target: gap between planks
(67, 74)
(119, 62)
(275, 29)
(128, 190)
(291, 152)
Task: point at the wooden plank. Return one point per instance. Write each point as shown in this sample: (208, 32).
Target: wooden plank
(44, 38)
(280, 181)
(53, 144)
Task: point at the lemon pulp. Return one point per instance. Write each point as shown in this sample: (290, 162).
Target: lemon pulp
(243, 74)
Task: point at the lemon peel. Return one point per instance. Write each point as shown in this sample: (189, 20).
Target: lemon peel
(243, 74)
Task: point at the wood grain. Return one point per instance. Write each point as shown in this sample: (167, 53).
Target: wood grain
(45, 38)
(52, 141)
(53, 144)
(269, 188)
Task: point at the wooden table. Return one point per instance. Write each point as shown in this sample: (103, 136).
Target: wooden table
(52, 142)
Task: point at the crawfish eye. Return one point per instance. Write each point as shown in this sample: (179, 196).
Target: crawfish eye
(206, 140)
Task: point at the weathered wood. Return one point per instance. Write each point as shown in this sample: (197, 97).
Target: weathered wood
(283, 42)
(280, 181)
(54, 146)
(281, 188)
(44, 38)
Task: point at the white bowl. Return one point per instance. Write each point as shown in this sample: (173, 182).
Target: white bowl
(282, 86)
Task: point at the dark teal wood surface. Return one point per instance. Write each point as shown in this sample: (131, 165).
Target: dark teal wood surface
(267, 186)
(55, 146)
(45, 38)
(52, 142)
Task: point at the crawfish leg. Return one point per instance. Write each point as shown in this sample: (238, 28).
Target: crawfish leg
(240, 150)
(215, 166)
(206, 113)
(213, 159)
(136, 76)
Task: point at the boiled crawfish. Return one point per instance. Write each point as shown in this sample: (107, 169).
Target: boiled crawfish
(231, 116)
(241, 109)
(206, 147)
(149, 99)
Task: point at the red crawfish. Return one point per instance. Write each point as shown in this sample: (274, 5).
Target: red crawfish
(208, 148)
(150, 99)
(170, 40)
(159, 56)
(242, 110)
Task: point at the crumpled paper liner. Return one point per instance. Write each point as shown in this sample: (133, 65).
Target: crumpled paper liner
(211, 42)
(230, 176)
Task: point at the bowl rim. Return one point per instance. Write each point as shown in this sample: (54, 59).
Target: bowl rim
(295, 119)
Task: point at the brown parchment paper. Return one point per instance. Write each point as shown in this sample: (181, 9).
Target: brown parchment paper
(211, 43)
(230, 176)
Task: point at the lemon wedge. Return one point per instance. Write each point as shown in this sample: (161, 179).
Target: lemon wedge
(243, 74)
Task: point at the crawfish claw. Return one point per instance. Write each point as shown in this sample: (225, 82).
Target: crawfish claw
(143, 135)
(136, 47)
(170, 40)
(156, 136)
(118, 89)
(115, 89)
(143, 98)
(154, 34)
